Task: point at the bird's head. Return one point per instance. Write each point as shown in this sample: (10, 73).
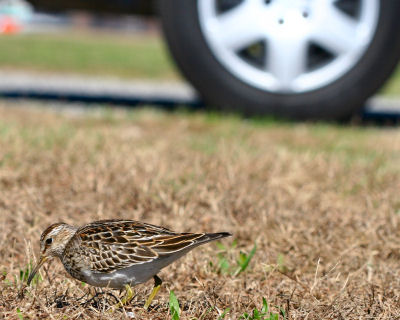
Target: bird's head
(52, 244)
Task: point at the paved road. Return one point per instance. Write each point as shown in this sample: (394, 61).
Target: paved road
(133, 93)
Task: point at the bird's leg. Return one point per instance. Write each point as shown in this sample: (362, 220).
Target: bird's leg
(157, 286)
(129, 293)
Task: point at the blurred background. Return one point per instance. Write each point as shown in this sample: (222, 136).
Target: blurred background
(86, 56)
(80, 42)
(308, 62)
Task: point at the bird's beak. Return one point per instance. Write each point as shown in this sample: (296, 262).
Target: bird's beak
(36, 269)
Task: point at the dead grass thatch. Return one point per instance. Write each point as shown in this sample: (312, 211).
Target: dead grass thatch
(320, 201)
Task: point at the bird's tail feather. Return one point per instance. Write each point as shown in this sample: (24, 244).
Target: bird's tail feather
(207, 237)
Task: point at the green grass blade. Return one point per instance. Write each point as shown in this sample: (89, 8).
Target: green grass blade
(244, 262)
(19, 313)
(223, 264)
(173, 306)
(222, 316)
(274, 316)
(264, 308)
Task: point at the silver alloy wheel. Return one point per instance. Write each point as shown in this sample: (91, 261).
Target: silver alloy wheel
(288, 46)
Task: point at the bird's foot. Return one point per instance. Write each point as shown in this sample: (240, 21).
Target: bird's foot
(129, 294)
(157, 286)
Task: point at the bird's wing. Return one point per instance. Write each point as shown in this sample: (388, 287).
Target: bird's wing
(114, 244)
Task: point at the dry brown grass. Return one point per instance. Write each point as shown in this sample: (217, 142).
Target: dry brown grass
(321, 202)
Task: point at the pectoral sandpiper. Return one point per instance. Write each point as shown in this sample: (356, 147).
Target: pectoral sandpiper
(117, 253)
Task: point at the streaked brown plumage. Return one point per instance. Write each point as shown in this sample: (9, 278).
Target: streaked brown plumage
(117, 253)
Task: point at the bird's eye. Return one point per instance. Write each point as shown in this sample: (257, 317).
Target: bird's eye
(49, 241)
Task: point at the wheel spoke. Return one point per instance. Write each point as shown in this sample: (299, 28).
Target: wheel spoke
(289, 28)
(287, 58)
(336, 32)
(238, 27)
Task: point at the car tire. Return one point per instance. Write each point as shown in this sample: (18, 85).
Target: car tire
(222, 88)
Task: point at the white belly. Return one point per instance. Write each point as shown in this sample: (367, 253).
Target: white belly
(116, 280)
(133, 275)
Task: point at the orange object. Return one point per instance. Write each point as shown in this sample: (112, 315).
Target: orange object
(9, 25)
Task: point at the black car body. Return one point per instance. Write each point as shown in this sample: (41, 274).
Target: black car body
(142, 7)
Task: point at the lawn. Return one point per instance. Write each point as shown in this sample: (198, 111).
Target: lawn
(99, 54)
(319, 201)
(91, 53)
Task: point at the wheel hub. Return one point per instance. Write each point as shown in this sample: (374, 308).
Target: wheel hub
(283, 9)
(288, 46)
